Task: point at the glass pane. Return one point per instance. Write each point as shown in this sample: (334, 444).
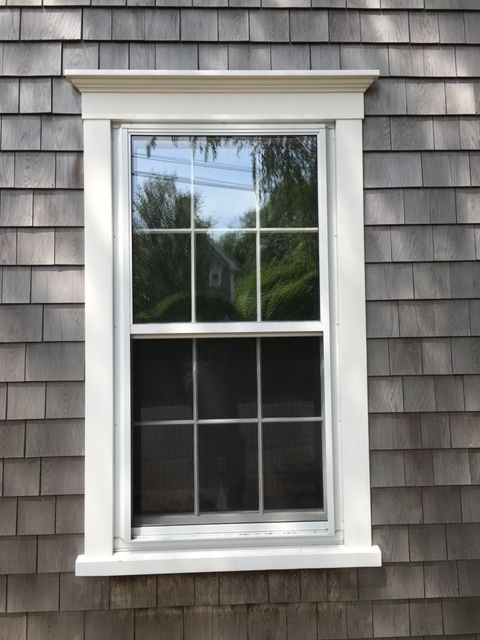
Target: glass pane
(224, 182)
(289, 276)
(287, 167)
(292, 465)
(161, 277)
(161, 182)
(163, 469)
(228, 467)
(290, 377)
(162, 380)
(227, 378)
(225, 276)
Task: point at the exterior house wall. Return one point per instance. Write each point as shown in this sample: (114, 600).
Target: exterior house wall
(422, 205)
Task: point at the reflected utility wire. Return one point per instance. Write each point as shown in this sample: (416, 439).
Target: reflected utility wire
(203, 182)
(197, 163)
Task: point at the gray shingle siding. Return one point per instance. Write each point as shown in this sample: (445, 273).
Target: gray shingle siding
(422, 208)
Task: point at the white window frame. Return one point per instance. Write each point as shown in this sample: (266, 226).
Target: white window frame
(149, 536)
(248, 101)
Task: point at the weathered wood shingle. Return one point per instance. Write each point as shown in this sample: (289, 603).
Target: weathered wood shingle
(422, 173)
(51, 24)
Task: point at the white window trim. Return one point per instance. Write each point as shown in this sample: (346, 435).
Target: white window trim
(113, 97)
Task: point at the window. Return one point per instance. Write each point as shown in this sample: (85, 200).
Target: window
(229, 424)
(226, 415)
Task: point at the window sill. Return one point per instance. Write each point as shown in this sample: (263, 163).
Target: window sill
(228, 559)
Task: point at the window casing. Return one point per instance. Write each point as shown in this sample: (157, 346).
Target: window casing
(117, 106)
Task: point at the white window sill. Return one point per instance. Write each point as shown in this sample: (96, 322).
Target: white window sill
(205, 560)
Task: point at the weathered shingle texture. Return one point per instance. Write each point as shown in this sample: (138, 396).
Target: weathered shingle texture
(422, 239)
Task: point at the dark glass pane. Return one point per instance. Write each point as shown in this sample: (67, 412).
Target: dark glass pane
(162, 380)
(288, 181)
(162, 469)
(228, 467)
(224, 181)
(226, 277)
(290, 377)
(161, 182)
(289, 276)
(292, 465)
(227, 380)
(161, 277)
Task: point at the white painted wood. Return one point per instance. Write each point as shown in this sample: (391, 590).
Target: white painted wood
(212, 81)
(240, 530)
(122, 305)
(99, 400)
(333, 311)
(231, 559)
(352, 353)
(220, 329)
(220, 96)
(222, 107)
(239, 100)
(329, 478)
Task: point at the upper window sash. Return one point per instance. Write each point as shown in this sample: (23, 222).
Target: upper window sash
(123, 138)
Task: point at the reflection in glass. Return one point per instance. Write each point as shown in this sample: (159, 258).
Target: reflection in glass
(162, 380)
(226, 374)
(290, 377)
(288, 181)
(292, 465)
(289, 276)
(228, 467)
(161, 277)
(229, 178)
(225, 276)
(161, 182)
(224, 181)
(163, 469)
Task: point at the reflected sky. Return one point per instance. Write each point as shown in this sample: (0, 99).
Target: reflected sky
(224, 184)
(231, 179)
(228, 194)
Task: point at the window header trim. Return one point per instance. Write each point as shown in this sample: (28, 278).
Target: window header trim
(104, 81)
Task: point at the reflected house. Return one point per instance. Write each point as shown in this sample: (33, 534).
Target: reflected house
(222, 270)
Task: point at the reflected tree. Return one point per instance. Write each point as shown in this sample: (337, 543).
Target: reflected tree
(161, 261)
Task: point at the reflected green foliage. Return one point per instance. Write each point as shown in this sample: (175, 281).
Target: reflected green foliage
(160, 205)
(161, 277)
(286, 169)
(162, 262)
(288, 182)
(289, 275)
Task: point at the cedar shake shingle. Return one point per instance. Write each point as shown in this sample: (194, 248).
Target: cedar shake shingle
(422, 199)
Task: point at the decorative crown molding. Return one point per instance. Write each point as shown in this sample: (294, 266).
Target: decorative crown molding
(105, 81)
